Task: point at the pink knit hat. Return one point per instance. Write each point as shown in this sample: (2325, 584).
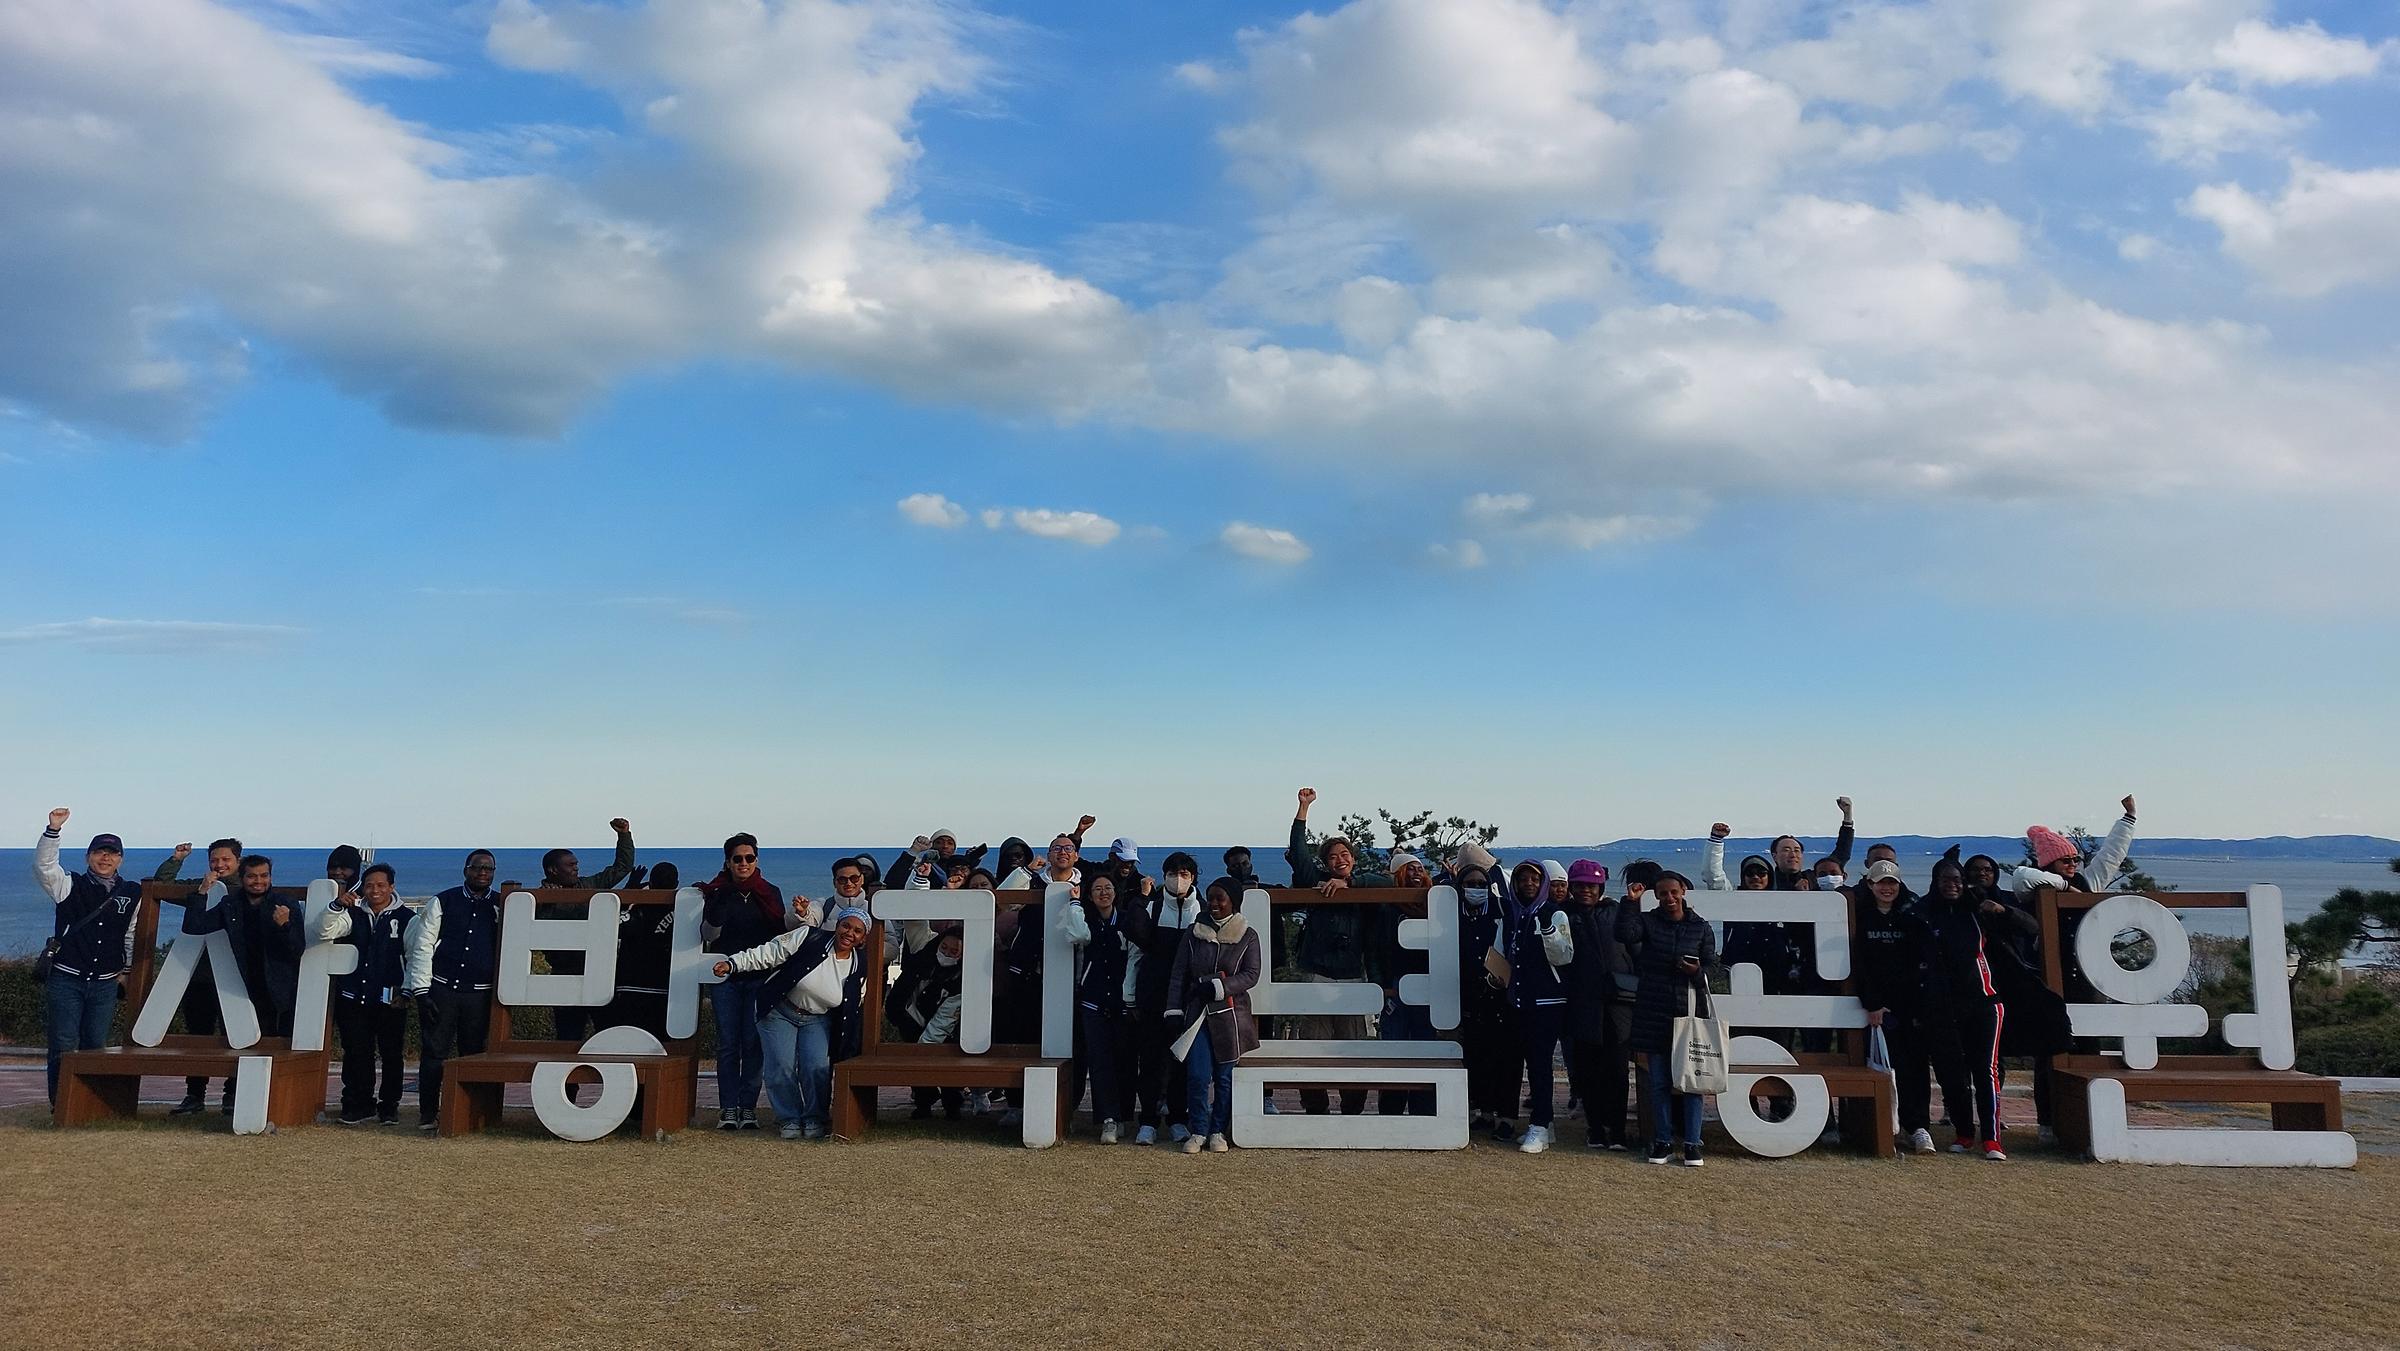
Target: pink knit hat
(2049, 846)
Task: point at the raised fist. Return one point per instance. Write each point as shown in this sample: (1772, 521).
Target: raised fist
(1719, 831)
(58, 817)
(182, 852)
(1086, 823)
(1307, 796)
(2128, 805)
(620, 825)
(1844, 804)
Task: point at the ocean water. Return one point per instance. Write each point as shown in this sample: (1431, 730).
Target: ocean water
(25, 912)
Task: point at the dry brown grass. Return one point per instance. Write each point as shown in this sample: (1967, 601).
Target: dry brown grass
(914, 1238)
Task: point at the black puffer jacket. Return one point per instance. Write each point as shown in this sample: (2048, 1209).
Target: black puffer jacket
(1659, 946)
(1602, 975)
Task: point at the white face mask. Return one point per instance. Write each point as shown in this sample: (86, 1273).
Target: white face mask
(1179, 886)
(1829, 881)
(944, 959)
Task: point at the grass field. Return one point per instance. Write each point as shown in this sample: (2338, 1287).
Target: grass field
(158, 1234)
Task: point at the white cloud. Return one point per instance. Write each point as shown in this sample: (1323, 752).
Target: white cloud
(1464, 554)
(1077, 527)
(2331, 228)
(1280, 547)
(2137, 247)
(1593, 532)
(170, 636)
(1496, 506)
(933, 509)
(1200, 75)
(2197, 123)
(176, 177)
(2299, 55)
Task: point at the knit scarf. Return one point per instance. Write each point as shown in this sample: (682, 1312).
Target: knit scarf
(760, 894)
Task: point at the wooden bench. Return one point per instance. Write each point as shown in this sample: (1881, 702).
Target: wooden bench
(857, 1081)
(106, 1084)
(474, 1087)
(1862, 1097)
(882, 1064)
(2296, 1101)
(1436, 1067)
(668, 1091)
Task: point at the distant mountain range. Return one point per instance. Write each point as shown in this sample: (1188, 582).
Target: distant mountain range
(2008, 848)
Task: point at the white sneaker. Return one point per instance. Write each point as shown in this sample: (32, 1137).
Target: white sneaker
(1920, 1141)
(1537, 1139)
(789, 1130)
(1179, 1132)
(1108, 1132)
(1218, 1144)
(1194, 1144)
(1147, 1135)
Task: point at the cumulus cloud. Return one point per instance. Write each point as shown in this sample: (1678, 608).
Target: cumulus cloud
(177, 176)
(1075, 527)
(2197, 123)
(933, 509)
(1267, 545)
(167, 636)
(2330, 227)
(1514, 241)
(1496, 506)
(1463, 554)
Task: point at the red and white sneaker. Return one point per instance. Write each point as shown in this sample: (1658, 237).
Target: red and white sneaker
(1993, 1152)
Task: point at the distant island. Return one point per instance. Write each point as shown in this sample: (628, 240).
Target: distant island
(2339, 848)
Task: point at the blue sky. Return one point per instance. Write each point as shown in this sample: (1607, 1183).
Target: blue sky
(472, 423)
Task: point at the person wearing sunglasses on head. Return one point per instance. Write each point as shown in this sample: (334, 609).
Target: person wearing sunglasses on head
(746, 910)
(452, 967)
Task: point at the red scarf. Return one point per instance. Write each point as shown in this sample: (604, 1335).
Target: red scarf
(760, 894)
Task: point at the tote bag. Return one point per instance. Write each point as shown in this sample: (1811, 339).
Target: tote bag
(1697, 1049)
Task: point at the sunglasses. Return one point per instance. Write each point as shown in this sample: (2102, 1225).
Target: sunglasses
(743, 858)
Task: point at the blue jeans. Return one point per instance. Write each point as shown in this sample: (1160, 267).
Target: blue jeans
(80, 1012)
(1666, 1104)
(1202, 1071)
(799, 1055)
(736, 1003)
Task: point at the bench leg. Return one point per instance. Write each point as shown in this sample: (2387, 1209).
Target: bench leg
(86, 1098)
(296, 1091)
(2304, 1116)
(853, 1110)
(2071, 1112)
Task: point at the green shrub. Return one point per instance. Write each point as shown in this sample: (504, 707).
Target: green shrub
(2369, 1048)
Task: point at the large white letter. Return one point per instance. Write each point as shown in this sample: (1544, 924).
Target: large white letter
(974, 911)
(594, 935)
(239, 1017)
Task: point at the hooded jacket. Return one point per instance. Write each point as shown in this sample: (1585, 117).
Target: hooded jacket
(1537, 943)
(1216, 964)
(1601, 977)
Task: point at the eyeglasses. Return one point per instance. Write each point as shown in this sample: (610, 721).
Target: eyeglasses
(743, 858)
(851, 878)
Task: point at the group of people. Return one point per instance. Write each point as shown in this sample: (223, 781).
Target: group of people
(1555, 965)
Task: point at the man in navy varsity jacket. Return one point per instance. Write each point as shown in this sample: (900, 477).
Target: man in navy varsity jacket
(93, 927)
(451, 968)
(367, 1008)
